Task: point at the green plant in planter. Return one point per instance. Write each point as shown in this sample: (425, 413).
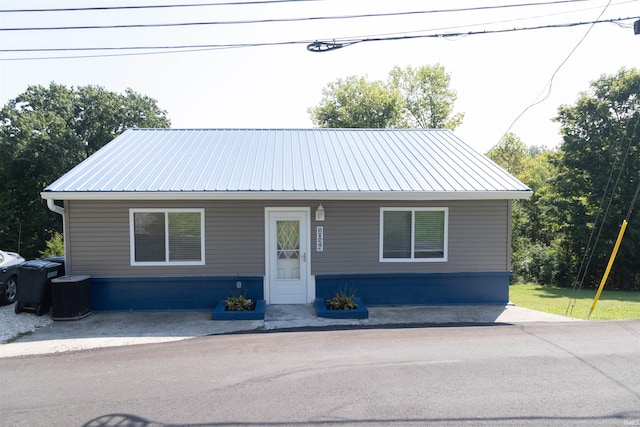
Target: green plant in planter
(239, 303)
(342, 300)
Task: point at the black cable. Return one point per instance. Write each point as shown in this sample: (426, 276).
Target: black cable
(633, 202)
(504, 21)
(586, 265)
(550, 82)
(635, 196)
(264, 21)
(162, 6)
(334, 41)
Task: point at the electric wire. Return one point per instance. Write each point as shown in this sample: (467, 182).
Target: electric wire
(345, 42)
(633, 202)
(586, 261)
(584, 267)
(635, 196)
(159, 6)
(526, 18)
(274, 20)
(550, 82)
(239, 3)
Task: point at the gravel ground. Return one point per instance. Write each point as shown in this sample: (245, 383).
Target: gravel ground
(13, 325)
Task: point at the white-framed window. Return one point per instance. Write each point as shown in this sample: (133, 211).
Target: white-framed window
(167, 236)
(414, 234)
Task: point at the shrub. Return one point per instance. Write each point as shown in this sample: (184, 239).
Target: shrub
(55, 246)
(342, 300)
(239, 303)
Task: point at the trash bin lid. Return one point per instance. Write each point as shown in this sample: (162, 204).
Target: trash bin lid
(59, 259)
(40, 265)
(72, 278)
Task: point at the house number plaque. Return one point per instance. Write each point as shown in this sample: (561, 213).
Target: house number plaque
(319, 238)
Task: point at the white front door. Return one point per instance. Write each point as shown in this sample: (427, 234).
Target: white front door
(287, 255)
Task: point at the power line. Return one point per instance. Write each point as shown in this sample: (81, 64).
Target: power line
(635, 196)
(161, 6)
(550, 82)
(175, 47)
(167, 6)
(343, 42)
(395, 33)
(313, 18)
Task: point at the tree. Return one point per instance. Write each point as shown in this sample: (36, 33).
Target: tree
(54, 246)
(46, 131)
(533, 244)
(600, 165)
(512, 154)
(427, 99)
(411, 97)
(356, 103)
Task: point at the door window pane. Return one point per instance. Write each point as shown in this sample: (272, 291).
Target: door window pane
(288, 249)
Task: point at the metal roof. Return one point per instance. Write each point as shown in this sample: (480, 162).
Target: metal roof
(287, 163)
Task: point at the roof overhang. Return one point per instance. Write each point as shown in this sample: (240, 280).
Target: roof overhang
(288, 195)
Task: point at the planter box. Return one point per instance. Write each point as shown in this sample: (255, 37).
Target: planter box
(358, 313)
(220, 313)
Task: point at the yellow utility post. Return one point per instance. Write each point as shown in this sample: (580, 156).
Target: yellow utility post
(608, 270)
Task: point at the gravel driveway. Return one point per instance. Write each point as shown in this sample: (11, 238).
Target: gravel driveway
(14, 325)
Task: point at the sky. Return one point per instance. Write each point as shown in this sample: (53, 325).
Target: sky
(496, 75)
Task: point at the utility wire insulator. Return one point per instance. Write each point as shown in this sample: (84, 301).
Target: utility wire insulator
(319, 46)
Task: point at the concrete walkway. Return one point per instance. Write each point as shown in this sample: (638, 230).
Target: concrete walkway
(117, 329)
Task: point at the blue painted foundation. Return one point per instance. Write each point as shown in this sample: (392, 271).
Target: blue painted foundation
(203, 293)
(420, 289)
(169, 293)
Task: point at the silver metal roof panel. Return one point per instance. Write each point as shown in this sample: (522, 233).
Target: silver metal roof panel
(287, 163)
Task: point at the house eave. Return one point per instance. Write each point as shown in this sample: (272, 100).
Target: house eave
(286, 195)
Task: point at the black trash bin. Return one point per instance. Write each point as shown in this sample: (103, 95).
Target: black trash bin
(34, 286)
(71, 297)
(58, 259)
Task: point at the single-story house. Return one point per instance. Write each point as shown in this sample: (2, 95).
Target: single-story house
(171, 219)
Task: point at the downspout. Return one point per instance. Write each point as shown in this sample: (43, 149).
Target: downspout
(60, 211)
(55, 208)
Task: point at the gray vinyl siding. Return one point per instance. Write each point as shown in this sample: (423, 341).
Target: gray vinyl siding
(98, 238)
(478, 238)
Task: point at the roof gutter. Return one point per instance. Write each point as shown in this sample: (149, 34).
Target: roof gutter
(287, 195)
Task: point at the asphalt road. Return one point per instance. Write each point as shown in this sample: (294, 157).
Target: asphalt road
(536, 374)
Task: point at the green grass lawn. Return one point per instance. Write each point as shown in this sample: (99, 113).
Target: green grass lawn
(612, 305)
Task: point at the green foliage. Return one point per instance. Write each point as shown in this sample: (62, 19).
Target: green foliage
(55, 246)
(535, 263)
(342, 300)
(534, 248)
(239, 303)
(356, 103)
(555, 231)
(46, 131)
(412, 97)
(427, 99)
(512, 154)
(601, 135)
